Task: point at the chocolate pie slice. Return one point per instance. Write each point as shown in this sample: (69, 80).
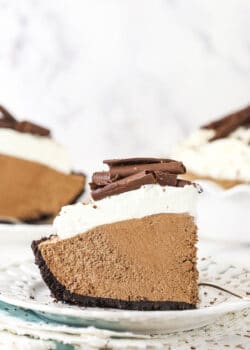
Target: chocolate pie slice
(35, 178)
(219, 151)
(132, 246)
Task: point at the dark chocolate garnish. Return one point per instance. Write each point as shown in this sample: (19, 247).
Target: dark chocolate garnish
(131, 161)
(126, 184)
(4, 114)
(31, 128)
(172, 167)
(103, 178)
(8, 121)
(225, 126)
(165, 179)
(131, 173)
(61, 293)
(182, 183)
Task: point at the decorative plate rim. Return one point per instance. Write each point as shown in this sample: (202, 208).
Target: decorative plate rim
(112, 314)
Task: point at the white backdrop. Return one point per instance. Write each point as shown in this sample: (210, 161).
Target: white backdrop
(121, 78)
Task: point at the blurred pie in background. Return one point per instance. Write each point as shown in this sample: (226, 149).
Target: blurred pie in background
(36, 177)
(219, 151)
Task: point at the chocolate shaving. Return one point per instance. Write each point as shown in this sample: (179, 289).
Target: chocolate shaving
(6, 124)
(225, 126)
(182, 183)
(6, 115)
(31, 128)
(130, 174)
(165, 179)
(8, 121)
(122, 171)
(103, 178)
(131, 161)
(129, 183)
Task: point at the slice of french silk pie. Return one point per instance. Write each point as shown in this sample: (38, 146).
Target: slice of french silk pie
(35, 178)
(219, 151)
(132, 246)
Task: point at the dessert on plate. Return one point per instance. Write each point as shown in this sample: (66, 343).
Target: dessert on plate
(219, 151)
(132, 246)
(36, 179)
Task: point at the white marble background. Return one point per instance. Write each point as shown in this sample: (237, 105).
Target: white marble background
(119, 78)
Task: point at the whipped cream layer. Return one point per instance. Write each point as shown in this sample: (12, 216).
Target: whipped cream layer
(227, 158)
(147, 200)
(35, 148)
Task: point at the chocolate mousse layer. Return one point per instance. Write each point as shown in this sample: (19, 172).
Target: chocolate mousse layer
(31, 191)
(137, 264)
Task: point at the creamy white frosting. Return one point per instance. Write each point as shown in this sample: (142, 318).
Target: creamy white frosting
(35, 148)
(226, 158)
(147, 200)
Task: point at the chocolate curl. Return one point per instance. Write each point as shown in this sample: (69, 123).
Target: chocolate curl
(225, 126)
(8, 121)
(131, 173)
(131, 161)
(6, 124)
(183, 183)
(127, 170)
(103, 178)
(100, 179)
(129, 183)
(6, 115)
(31, 128)
(165, 179)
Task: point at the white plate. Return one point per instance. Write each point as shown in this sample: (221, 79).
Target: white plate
(21, 285)
(222, 213)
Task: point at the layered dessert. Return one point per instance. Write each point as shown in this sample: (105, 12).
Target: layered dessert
(132, 246)
(36, 177)
(219, 151)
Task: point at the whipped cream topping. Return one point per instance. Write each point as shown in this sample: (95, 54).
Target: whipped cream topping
(226, 158)
(147, 200)
(35, 148)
